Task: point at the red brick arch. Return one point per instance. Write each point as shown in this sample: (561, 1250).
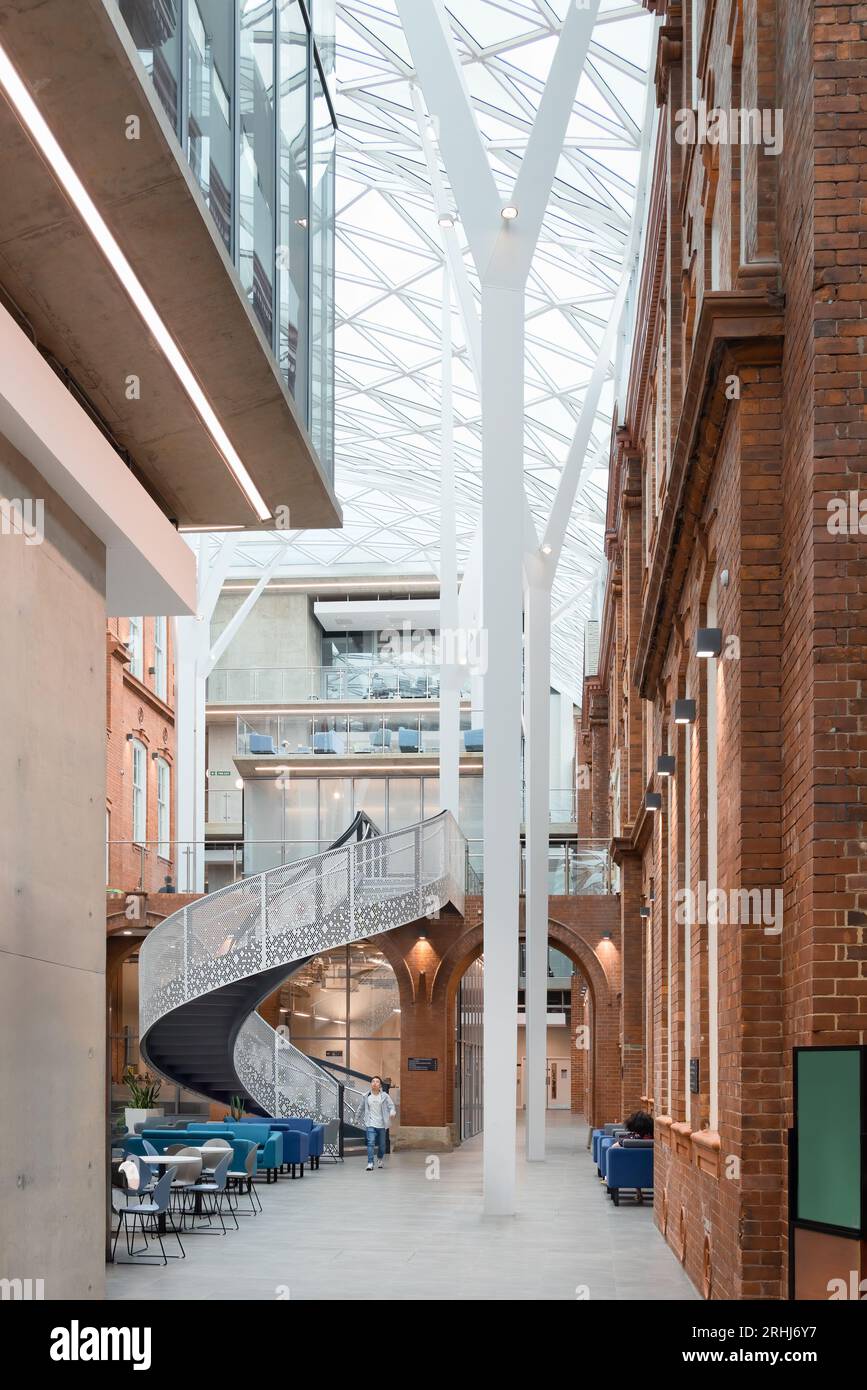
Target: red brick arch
(604, 1038)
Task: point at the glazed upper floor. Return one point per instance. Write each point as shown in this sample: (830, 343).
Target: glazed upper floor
(168, 242)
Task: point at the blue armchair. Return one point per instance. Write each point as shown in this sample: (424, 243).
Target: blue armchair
(474, 740)
(629, 1166)
(315, 1134)
(261, 743)
(407, 740)
(329, 742)
(269, 1145)
(301, 1141)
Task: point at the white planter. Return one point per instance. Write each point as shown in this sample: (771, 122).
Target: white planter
(141, 1117)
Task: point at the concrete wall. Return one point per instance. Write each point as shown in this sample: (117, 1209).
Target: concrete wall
(52, 872)
(280, 631)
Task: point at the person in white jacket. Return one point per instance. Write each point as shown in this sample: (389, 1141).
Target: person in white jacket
(376, 1112)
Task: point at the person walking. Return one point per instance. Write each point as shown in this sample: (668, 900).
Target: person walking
(377, 1111)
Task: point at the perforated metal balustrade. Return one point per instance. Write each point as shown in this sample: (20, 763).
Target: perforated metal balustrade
(204, 970)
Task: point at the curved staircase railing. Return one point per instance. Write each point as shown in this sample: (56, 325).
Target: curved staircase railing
(210, 964)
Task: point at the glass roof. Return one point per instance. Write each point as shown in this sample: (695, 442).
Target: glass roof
(389, 290)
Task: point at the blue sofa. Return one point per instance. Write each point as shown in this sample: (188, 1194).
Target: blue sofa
(629, 1167)
(162, 1139)
(315, 1134)
(303, 1140)
(269, 1145)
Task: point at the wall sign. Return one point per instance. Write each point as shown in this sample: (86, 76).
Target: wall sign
(423, 1064)
(693, 1076)
(333, 1054)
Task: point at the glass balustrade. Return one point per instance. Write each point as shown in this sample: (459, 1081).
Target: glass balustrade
(346, 684)
(389, 735)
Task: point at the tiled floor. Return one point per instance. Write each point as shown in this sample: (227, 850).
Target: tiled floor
(344, 1233)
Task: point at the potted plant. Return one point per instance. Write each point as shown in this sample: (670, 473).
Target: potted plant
(143, 1091)
(236, 1108)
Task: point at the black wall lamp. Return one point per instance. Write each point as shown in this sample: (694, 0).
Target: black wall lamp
(666, 765)
(653, 801)
(708, 641)
(684, 711)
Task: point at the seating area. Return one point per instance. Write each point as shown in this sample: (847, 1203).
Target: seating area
(624, 1163)
(171, 1180)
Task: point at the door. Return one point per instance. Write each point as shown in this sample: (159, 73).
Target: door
(558, 1072)
(559, 1083)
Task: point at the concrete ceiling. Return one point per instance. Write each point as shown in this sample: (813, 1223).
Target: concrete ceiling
(85, 77)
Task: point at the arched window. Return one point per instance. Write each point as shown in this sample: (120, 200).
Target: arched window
(139, 791)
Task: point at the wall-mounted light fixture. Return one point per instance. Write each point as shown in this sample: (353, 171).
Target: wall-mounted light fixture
(708, 641)
(606, 936)
(684, 711)
(509, 212)
(446, 221)
(422, 936)
(653, 801)
(644, 912)
(666, 765)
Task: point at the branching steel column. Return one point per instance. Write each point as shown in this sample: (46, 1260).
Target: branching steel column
(502, 251)
(450, 677)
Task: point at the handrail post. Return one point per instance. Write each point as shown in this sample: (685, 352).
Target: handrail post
(276, 1064)
(263, 918)
(340, 1120)
(350, 869)
(186, 953)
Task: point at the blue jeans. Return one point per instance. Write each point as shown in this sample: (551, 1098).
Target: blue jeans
(375, 1139)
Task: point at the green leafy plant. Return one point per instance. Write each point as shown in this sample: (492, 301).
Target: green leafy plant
(143, 1090)
(236, 1107)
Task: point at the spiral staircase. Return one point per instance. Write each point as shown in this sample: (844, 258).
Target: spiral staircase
(204, 970)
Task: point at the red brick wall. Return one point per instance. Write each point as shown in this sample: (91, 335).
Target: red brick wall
(745, 488)
(133, 708)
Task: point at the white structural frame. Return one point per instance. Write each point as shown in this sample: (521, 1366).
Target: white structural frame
(502, 252)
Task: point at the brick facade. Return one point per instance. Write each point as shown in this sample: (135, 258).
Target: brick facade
(743, 419)
(135, 711)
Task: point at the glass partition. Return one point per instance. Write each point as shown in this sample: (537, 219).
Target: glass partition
(244, 84)
(344, 1007)
(257, 160)
(210, 147)
(292, 258)
(155, 30)
(322, 276)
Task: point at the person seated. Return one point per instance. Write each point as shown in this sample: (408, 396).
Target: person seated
(639, 1125)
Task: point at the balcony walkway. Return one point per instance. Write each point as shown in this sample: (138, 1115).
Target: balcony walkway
(346, 1234)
